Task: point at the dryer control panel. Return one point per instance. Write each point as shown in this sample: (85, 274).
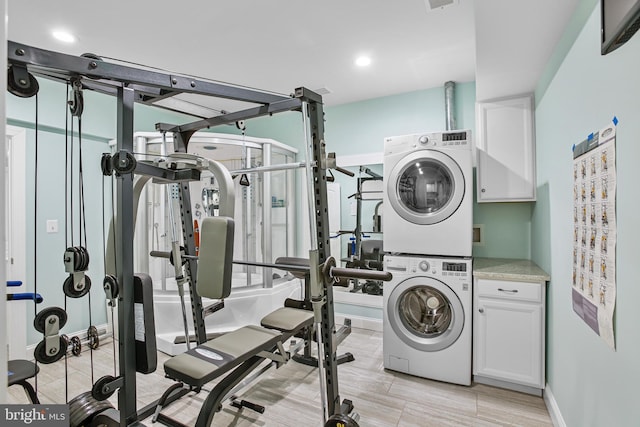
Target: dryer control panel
(459, 139)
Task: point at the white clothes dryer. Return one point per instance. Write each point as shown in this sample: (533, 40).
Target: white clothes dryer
(427, 317)
(428, 197)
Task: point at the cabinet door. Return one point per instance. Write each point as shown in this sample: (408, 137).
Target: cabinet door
(506, 150)
(509, 341)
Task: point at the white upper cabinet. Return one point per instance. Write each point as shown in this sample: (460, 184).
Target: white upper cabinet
(506, 169)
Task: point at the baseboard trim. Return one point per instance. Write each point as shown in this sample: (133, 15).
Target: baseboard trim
(508, 385)
(553, 408)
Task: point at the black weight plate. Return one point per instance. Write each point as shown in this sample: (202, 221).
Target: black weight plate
(107, 418)
(84, 407)
(70, 290)
(341, 420)
(96, 390)
(94, 339)
(22, 92)
(41, 355)
(183, 251)
(76, 346)
(40, 319)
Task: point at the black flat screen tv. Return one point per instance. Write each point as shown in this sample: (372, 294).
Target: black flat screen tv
(620, 20)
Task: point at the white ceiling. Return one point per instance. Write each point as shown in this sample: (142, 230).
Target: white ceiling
(279, 45)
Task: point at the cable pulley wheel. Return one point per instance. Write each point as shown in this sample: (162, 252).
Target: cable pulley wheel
(80, 257)
(83, 408)
(92, 336)
(106, 165)
(123, 162)
(110, 285)
(69, 288)
(76, 104)
(98, 392)
(40, 321)
(44, 357)
(76, 346)
(23, 89)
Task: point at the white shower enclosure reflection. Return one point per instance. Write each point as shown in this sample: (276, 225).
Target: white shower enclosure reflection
(264, 229)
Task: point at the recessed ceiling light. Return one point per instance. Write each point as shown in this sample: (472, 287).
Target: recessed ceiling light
(64, 36)
(363, 61)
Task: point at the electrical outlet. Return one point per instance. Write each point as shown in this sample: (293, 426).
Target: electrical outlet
(52, 226)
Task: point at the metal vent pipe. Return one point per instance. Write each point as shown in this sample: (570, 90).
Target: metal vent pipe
(449, 105)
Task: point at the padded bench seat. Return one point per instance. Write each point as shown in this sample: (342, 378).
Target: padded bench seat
(288, 319)
(208, 361)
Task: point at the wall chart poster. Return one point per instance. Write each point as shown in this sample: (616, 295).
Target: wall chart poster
(594, 232)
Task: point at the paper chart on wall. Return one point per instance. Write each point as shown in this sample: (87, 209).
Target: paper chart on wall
(594, 232)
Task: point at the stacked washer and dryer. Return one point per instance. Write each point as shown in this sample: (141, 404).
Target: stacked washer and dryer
(428, 222)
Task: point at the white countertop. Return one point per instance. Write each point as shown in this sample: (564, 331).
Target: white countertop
(522, 270)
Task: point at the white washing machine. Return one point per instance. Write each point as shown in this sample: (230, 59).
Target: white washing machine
(427, 317)
(428, 197)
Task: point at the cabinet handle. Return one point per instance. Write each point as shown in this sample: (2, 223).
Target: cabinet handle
(481, 310)
(513, 291)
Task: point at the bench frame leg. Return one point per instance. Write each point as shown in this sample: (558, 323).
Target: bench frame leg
(214, 400)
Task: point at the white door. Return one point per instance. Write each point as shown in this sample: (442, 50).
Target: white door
(509, 341)
(15, 250)
(506, 150)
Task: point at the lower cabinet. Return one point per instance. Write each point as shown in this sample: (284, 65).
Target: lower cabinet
(509, 334)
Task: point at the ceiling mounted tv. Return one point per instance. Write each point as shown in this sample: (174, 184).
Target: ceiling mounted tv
(620, 21)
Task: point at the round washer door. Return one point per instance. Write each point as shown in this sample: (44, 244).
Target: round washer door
(425, 313)
(426, 187)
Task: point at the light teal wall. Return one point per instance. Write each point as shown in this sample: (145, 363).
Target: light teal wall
(592, 384)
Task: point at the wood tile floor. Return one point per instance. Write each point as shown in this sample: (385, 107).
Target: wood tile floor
(291, 394)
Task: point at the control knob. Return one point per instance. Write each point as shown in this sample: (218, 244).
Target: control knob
(424, 139)
(424, 266)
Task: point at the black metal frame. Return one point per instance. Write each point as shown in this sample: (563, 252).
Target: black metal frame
(130, 85)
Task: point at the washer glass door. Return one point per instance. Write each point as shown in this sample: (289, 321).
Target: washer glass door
(426, 187)
(425, 313)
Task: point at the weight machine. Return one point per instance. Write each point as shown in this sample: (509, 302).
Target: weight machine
(365, 254)
(130, 85)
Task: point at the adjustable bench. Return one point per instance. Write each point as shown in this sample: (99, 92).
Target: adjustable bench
(236, 353)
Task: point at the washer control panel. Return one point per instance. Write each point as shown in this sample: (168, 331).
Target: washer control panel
(446, 268)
